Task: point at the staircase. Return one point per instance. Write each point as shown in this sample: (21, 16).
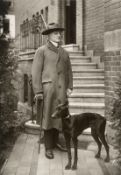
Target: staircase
(88, 80)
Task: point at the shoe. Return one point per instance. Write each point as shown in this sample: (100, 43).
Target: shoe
(60, 147)
(49, 154)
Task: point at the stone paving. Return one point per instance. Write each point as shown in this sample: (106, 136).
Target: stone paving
(25, 160)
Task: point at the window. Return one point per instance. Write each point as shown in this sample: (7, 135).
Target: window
(42, 12)
(11, 25)
(46, 14)
(6, 24)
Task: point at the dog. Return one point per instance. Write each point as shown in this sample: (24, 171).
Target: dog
(73, 126)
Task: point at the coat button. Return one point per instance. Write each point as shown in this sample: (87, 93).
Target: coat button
(59, 86)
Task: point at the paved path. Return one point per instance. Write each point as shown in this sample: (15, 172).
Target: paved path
(24, 160)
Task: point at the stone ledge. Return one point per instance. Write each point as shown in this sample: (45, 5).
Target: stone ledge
(32, 127)
(71, 47)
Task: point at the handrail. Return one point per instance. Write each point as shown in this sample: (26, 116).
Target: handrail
(31, 37)
(43, 20)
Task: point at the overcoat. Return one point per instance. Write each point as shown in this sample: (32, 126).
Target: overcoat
(52, 75)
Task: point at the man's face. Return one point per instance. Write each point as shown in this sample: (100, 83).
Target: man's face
(55, 36)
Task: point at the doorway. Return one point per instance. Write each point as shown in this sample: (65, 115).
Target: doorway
(70, 22)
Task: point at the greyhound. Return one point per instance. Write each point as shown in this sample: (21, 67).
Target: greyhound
(73, 126)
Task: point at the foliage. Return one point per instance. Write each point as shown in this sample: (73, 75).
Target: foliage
(4, 5)
(10, 120)
(116, 117)
(8, 64)
(8, 99)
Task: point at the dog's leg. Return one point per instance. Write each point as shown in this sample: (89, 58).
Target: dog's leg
(95, 136)
(75, 142)
(68, 145)
(103, 140)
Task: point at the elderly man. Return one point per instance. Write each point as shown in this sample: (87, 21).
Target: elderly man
(52, 81)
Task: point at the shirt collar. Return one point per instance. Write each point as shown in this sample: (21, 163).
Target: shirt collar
(54, 43)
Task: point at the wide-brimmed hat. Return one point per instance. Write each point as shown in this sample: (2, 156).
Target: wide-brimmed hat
(51, 28)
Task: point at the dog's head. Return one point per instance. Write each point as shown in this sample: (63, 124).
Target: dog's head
(61, 111)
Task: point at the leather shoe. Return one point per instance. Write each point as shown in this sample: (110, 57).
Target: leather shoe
(49, 154)
(60, 147)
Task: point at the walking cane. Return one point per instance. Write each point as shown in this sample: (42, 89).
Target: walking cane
(32, 101)
(39, 119)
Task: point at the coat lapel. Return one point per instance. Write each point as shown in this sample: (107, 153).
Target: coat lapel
(54, 49)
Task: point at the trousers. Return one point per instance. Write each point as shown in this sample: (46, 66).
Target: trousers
(50, 138)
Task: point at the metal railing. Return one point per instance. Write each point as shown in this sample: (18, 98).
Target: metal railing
(30, 33)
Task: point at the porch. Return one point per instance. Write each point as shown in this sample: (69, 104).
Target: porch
(25, 160)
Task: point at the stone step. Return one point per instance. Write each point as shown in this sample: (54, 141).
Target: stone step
(75, 53)
(80, 59)
(82, 66)
(71, 47)
(88, 88)
(89, 80)
(77, 107)
(31, 127)
(87, 97)
(89, 72)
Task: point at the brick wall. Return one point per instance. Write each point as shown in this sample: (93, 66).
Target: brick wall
(112, 72)
(112, 44)
(94, 26)
(112, 15)
(112, 48)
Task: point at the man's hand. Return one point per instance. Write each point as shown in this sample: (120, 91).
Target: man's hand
(69, 91)
(38, 96)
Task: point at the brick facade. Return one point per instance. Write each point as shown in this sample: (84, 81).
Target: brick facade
(112, 15)
(112, 43)
(112, 72)
(94, 26)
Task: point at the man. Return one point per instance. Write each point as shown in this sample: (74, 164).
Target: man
(52, 81)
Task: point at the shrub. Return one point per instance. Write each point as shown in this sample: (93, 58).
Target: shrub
(8, 98)
(116, 118)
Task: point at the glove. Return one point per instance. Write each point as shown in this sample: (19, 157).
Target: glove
(69, 91)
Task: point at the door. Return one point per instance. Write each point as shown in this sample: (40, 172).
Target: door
(70, 21)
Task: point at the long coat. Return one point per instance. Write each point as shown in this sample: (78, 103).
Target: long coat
(52, 75)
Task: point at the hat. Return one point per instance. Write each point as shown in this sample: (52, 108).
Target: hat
(51, 28)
